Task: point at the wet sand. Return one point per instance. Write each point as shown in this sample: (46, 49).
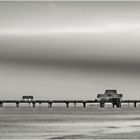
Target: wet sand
(70, 123)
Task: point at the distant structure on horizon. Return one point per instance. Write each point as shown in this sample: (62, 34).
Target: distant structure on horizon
(27, 98)
(110, 96)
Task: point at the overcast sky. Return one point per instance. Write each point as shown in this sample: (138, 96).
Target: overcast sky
(69, 50)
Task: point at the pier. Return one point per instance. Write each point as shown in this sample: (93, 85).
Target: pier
(110, 96)
(50, 103)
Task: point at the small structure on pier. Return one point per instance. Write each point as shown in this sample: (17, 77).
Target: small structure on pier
(110, 96)
(27, 98)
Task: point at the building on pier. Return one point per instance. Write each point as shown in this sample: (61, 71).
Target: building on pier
(27, 98)
(110, 96)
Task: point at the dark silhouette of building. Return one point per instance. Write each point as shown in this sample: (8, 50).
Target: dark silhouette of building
(27, 98)
(110, 96)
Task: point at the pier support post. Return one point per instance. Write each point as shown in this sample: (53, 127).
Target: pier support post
(50, 105)
(119, 104)
(33, 104)
(74, 104)
(84, 104)
(67, 104)
(135, 104)
(113, 105)
(39, 103)
(1, 104)
(17, 104)
(102, 104)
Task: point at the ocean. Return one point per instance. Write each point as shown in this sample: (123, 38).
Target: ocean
(91, 122)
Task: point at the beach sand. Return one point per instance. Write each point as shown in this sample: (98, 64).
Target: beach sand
(70, 123)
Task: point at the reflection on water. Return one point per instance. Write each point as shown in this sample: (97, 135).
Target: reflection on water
(70, 123)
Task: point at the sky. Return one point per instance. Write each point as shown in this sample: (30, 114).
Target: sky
(69, 50)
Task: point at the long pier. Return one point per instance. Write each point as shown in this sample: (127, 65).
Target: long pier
(67, 102)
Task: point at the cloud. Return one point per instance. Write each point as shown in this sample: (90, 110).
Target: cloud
(102, 29)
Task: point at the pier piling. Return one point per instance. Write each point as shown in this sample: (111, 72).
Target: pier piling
(119, 104)
(135, 104)
(49, 104)
(34, 104)
(113, 105)
(1, 104)
(39, 103)
(67, 104)
(84, 104)
(102, 104)
(17, 104)
(74, 104)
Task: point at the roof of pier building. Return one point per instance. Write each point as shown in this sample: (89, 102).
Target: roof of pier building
(109, 94)
(27, 97)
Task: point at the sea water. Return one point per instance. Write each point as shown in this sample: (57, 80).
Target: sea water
(70, 123)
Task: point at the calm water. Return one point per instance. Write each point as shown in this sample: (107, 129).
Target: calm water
(69, 123)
